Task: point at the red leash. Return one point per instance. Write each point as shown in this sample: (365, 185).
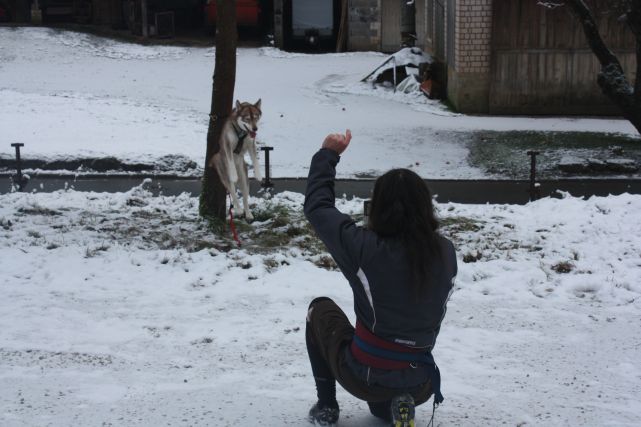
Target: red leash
(231, 221)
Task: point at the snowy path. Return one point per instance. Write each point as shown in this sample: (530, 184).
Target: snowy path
(105, 320)
(70, 94)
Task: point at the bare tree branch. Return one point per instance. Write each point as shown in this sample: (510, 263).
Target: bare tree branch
(612, 78)
(591, 30)
(551, 4)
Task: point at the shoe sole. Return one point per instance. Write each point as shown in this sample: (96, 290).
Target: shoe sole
(405, 415)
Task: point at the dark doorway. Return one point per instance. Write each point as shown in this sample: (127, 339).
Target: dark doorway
(311, 25)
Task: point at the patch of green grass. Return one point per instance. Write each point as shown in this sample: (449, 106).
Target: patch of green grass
(270, 239)
(280, 214)
(216, 225)
(92, 252)
(505, 153)
(459, 224)
(293, 231)
(200, 244)
(270, 264)
(276, 226)
(326, 262)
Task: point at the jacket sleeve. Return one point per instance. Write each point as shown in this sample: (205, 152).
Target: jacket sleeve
(344, 240)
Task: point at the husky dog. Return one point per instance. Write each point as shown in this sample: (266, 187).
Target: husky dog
(238, 137)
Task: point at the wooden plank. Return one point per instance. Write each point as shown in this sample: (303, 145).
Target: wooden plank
(541, 63)
(421, 24)
(439, 30)
(391, 25)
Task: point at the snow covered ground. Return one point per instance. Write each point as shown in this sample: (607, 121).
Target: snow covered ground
(125, 309)
(70, 94)
(122, 309)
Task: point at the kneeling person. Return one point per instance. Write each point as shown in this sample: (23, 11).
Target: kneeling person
(401, 272)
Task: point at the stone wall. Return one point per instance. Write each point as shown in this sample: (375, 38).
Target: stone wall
(364, 25)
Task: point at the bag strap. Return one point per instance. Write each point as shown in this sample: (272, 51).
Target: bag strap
(425, 358)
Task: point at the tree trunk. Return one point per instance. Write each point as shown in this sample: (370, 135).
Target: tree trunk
(612, 79)
(212, 198)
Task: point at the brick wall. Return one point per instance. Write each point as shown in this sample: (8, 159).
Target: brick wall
(468, 86)
(473, 36)
(364, 25)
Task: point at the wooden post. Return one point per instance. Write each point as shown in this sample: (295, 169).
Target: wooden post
(145, 24)
(341, 40)
(36, 14)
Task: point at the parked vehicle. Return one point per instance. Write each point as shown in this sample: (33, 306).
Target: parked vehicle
(5, 16)
(65, 10)
(248, 13)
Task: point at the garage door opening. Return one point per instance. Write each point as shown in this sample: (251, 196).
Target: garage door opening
(308, 25)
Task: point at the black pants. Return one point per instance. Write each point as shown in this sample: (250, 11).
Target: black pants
(328, 335)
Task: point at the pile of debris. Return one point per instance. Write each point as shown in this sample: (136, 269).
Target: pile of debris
(411, 70)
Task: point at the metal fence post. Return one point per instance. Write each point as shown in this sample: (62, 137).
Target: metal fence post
(535, 191)
(19, 178)
(267, 182)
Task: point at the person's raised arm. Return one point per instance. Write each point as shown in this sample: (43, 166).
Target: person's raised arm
(338, 231)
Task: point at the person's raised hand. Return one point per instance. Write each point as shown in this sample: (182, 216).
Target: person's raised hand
(337, 141)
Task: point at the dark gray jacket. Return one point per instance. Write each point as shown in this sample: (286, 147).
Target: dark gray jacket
(376, 268)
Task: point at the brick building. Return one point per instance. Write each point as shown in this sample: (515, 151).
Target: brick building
(517, 57)
(501, 56)
(459, 33)
(378, 25)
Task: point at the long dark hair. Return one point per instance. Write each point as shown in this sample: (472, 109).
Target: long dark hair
(401, 207)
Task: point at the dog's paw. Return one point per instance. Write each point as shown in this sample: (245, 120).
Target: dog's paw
(249, 217)
(258, 176)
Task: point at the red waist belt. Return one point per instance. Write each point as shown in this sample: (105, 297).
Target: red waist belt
(369, 359)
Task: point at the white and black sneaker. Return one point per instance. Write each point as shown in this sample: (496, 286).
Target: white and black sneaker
(403, 411)
(326, 416)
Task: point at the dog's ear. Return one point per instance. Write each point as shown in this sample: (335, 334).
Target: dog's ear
(257, 104)
(237, 105)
